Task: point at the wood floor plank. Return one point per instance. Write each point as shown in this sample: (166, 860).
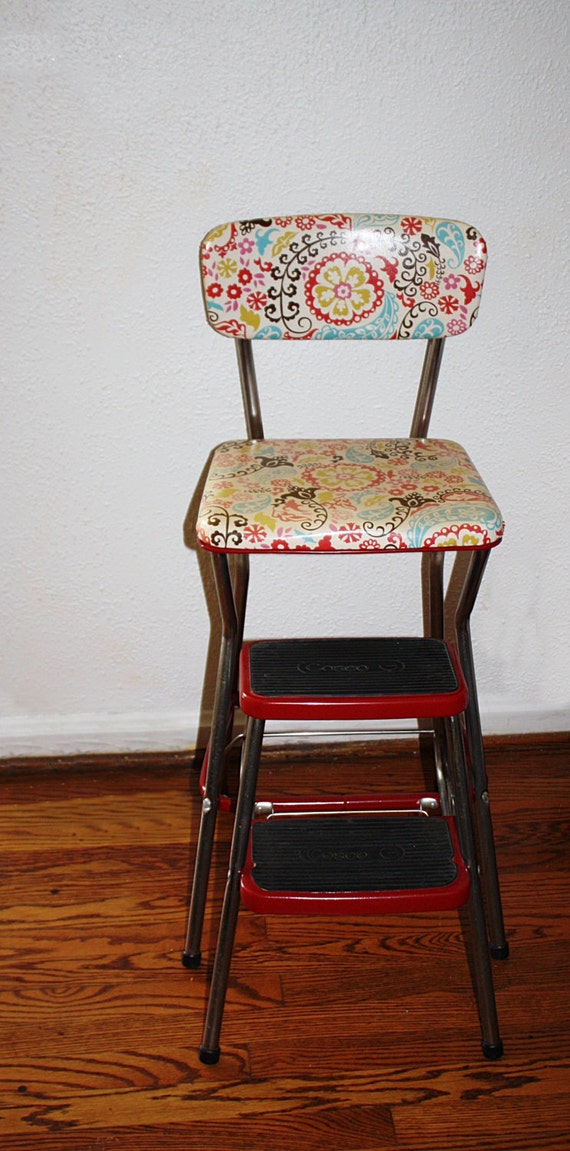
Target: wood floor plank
(497, 1123)
(90, 822)
(336, 1129)
(355, 1033)
(211, 1100)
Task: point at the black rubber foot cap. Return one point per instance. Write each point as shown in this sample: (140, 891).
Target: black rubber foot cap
(191, 961)
(500, 952)
(493, 1050)
(208, 1056)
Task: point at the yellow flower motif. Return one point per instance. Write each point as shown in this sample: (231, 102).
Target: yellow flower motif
(347, 477)
(227, 267)
(343, 289)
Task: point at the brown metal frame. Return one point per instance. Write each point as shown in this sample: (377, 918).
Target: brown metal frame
(459, 775)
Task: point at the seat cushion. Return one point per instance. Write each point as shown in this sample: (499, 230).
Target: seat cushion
(345, 496)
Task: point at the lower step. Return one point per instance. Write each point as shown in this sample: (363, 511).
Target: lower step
(354, 860)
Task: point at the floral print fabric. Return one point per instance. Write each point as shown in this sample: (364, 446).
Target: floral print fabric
(342, 277)
(345, 495)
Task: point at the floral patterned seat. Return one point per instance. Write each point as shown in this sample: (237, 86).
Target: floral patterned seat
(345, 495)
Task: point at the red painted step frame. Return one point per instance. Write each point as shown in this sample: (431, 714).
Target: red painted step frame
(377, 707)
(399, 902)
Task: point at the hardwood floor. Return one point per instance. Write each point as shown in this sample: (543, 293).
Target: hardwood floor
(340, 1035)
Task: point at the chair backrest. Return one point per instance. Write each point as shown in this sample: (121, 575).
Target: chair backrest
(342, 276)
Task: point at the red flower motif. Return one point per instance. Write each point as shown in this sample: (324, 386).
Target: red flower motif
(214, 290)
(429, 290)
(411, 225)
(283, 221)
(448, 304)
(234, 292)
(279, 546)
(350, 533)
(304, 223)
(473, 265)
(245, 276)
(343, 289)
(254, 533)
(256, 300)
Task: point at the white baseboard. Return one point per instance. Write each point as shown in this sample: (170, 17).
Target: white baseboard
(522, 721)
(97, 733)
(101, 733)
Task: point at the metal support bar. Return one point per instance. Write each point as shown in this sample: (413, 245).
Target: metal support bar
(476, 756)
(432, 589)
(240, 584)
(427, 387)
(432, 562)
(482, 973)
(223, 702)
(433, 613)
(422, 727)
(249, 392)
(210, 1049)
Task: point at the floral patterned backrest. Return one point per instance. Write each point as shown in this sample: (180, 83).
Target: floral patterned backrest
(342, 277)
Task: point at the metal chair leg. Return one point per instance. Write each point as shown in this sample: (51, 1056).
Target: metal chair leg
(210, 1048)
(433, 614)
(482, 971)
(225, 690)
(476, 759)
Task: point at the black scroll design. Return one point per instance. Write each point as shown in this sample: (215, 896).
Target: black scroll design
(226, 527)
(413, 256)
(305, 496)
(405, 505)
(285, 305)
(420, 311)
(247, 226)
(261, 463)
(399, 450)
(469, 494)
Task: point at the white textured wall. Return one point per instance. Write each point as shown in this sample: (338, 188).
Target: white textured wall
(131, 127)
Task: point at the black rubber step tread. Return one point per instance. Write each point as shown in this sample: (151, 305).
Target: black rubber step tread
(351, 667)
(352, 853)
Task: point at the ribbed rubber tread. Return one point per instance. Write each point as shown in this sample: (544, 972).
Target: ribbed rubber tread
(351, 667)
(356, 853)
